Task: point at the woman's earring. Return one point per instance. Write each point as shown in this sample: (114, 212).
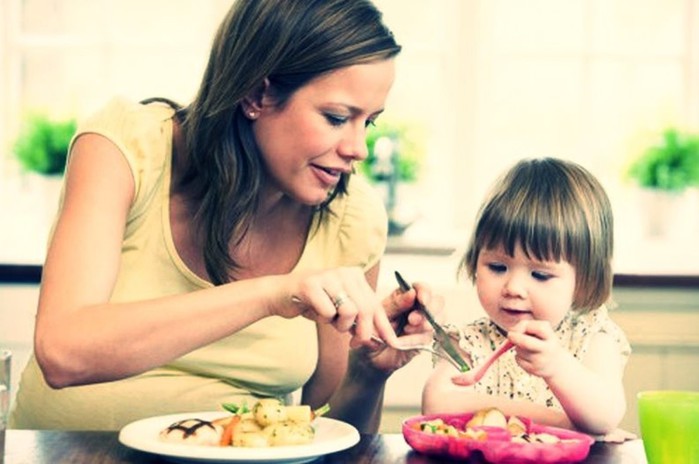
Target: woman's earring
(252, 114)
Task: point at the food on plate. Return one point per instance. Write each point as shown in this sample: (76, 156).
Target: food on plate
(535, 438)
(269, 411)
(439, 427)
(491, 417)
(516, 426)
(289, 433)
(519, 440)
(268, 423)
(487, 417)
(193, 431)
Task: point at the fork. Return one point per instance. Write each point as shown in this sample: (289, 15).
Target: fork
(441, 336)
(429, 349)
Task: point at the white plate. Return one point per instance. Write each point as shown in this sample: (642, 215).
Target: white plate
(143, 435)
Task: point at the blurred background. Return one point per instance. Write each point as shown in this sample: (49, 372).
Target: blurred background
(611, 84)
(480, 84)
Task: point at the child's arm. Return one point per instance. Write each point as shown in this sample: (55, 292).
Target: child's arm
(591, 392)
(441, 396)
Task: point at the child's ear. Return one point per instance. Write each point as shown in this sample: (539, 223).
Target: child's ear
(253, 103)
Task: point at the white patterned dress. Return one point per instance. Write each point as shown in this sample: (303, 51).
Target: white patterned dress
(506, 379)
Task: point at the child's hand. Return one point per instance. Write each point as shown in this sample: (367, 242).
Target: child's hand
(538, 350)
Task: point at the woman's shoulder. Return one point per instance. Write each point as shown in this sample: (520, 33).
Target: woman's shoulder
(143, 135)
(121, 113)
(133, 127)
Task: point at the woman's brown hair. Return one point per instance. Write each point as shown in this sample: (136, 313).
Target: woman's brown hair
(289, 43)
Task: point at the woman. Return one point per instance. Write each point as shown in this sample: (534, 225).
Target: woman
(191, 240)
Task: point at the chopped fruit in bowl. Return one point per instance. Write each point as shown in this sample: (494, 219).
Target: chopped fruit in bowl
(496, 437)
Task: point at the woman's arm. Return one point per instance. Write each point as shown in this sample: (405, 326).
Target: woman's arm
(352, 399)
(81, 337)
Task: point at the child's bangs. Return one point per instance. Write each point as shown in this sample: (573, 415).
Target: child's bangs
(535, 227)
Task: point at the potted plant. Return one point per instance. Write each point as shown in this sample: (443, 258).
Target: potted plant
(664, 171)
(42, 145)
(671, 165)
(395, 152)
(41, 150)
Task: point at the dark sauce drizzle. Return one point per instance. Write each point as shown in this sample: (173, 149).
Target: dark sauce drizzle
(189, 430)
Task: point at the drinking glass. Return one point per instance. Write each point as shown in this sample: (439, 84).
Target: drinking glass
(5, 363)
(669, 426)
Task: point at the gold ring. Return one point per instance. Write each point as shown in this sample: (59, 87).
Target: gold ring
(340, 299)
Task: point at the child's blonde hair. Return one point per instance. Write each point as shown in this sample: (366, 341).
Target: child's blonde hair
(554, 209)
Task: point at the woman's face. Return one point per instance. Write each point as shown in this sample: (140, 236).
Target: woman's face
(321, 130)
(513, 288)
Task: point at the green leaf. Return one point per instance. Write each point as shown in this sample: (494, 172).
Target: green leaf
(321, 410)
(408, 146)
(233, 408)
(42, 145)
(672, 164)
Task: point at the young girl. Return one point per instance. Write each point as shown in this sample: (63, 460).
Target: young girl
(540, 257)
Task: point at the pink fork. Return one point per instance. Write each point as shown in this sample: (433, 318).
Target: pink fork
(474, 375)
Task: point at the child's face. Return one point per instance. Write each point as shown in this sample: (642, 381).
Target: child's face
(515, 288)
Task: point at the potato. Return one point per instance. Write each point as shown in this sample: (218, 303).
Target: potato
(268, 411)
(289, 433)
(269, 423)
(515, 426)
(300, 414)
(247, 426)
(251, 440)
(491, 417)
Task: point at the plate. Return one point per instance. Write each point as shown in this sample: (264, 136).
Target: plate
(143, 435)
(498, 447)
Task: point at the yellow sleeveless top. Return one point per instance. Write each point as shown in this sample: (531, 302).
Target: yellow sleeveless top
(272, 357)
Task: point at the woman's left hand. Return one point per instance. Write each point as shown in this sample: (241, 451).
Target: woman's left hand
(410, 325)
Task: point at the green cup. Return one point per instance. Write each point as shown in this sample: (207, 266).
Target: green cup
(670, 426)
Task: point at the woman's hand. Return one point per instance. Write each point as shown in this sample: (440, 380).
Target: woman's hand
(340, 297)
(410, 325)
(343, 298)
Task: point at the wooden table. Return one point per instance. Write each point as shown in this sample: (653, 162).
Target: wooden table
(56, 447)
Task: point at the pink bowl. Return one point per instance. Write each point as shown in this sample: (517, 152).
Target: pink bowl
(498, 446)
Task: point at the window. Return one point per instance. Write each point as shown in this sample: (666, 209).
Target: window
(490, 81)
(590, 80)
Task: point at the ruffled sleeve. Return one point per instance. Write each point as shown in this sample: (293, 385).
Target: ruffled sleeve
(586, 324)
